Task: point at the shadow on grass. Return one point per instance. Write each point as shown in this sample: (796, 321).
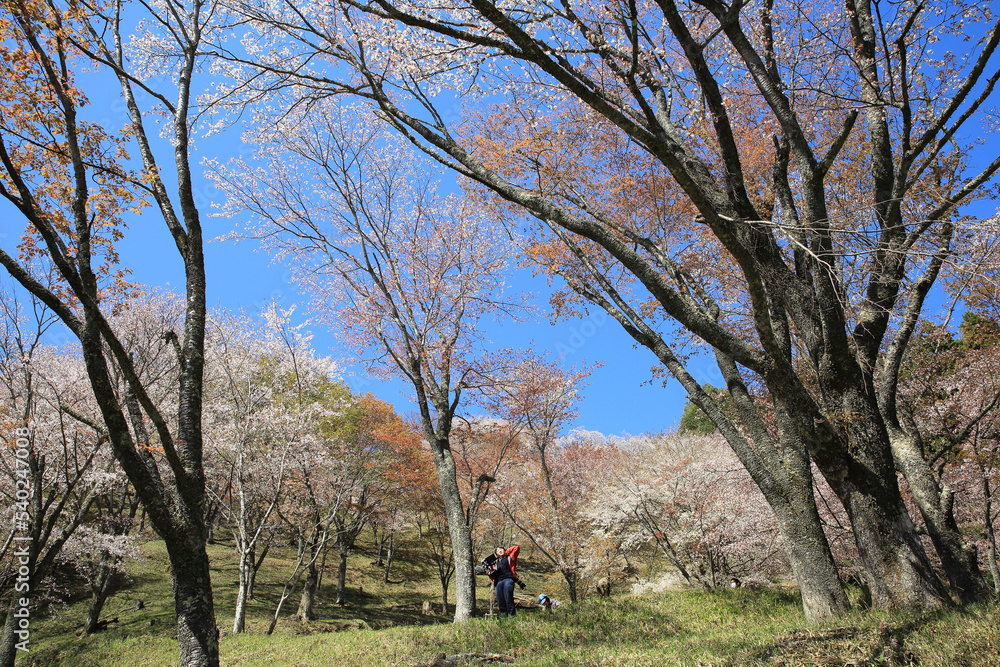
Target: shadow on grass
(867, 643)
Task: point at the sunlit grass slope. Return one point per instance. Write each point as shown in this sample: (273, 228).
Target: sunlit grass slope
(741, 627)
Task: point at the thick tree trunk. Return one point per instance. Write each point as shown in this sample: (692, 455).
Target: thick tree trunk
(197, 634)
(898, 569)
(461, 538)
(782, 470)
(9, 639)
(808, 552)
(863, 475)
(961, 564)
(307, 603)
(850, 446)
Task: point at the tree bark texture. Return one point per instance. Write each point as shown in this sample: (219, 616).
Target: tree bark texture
(461, 537)
(197, 633)
(307, 602)
(343, 551)
(100, 589)
(244, 590)
(959, 561)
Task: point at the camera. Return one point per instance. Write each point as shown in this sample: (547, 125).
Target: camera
(486, 565)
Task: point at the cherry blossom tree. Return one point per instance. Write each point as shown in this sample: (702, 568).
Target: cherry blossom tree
(690, 497)
(102, 554)
(810, 150)
(540, 397)
(407, 488)
(45, 402)
(403, 273)
(546, 497)
(322, 477)
(250, 426)
(70, 182)
(949, 393)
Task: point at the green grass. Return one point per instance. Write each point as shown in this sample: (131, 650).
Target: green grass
(743, 627)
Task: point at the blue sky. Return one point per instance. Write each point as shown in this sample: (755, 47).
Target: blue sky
(619, 398)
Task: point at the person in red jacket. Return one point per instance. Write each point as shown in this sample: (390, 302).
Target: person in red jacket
(504, 575)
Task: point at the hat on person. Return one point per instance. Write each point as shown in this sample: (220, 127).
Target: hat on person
(542, 597)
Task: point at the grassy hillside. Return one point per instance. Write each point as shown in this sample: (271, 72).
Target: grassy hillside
(742, 627)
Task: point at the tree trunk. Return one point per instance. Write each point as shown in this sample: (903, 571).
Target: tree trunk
(782, 470)
(390, 552)
(808, 552)
(197, 634)
(322, 566)
(863, 475)
(894, 559)
(571, 577)
(343, 549)
(307, 604)
(461, 538)
(12, 624)
(255, 566)
(9, 639)
(100, 590)
(380, 543)
(850, 446)
(246, 572)
(991, 536)
(961, 565)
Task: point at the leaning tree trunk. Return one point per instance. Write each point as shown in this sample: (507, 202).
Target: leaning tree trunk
(255, 564)
(781, 468)
(100, 590)
(960, 563)
(808, 553)
(15, 612)
(9, 639)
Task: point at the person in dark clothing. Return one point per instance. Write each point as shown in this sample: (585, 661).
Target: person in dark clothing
(504, 576)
